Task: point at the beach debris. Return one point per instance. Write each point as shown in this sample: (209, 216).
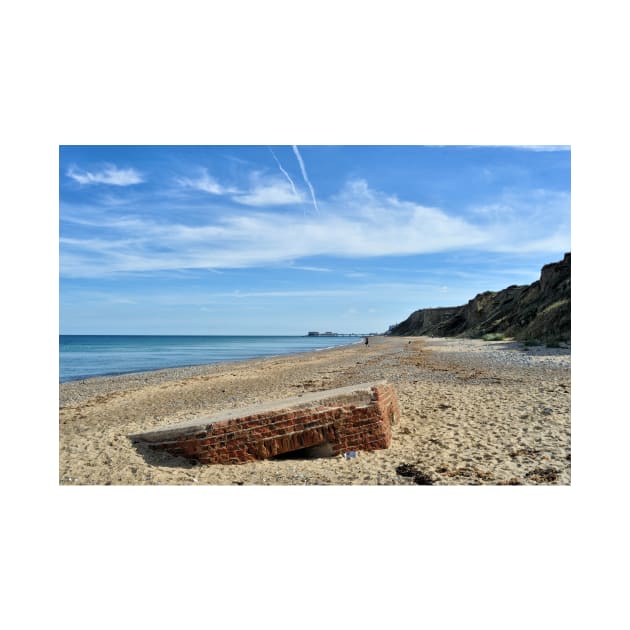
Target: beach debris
(514, 481)
(419, 478)
(527, 452)
(542, 475)
(472, 474)
(326, 423)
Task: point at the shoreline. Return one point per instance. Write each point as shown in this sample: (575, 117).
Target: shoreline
(125, 380)
(473, 412)
(195, 365)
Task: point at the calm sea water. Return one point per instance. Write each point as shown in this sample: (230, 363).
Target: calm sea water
(83, 356)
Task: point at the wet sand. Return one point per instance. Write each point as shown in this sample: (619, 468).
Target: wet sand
(473, 413)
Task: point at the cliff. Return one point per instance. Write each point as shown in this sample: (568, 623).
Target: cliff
(539, 311)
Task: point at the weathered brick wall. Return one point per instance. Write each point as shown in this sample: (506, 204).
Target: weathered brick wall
(349, 419)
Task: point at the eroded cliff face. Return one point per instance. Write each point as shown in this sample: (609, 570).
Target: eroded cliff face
(540, 311)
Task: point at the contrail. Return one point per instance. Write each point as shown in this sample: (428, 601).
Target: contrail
(285, 173)
(305, 176)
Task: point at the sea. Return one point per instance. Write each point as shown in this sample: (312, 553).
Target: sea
(85, 356)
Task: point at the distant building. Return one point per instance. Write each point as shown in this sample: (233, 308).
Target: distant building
(328, 333)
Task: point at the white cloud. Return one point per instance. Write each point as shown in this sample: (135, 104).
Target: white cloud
(524, 147)
(536, 220)
(359, 222)
(318, 269)
(110, 175)
(493, 210)
(206, 183)
(262, 190)
(543, 147)
(292, 294)
(275, 193)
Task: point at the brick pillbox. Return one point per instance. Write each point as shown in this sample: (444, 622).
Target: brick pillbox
(334, 421)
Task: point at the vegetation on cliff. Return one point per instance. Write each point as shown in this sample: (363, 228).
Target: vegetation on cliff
(540, 311)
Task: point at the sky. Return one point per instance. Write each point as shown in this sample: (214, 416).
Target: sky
(288, 239)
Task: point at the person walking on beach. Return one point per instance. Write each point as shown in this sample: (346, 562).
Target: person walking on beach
(366, 340)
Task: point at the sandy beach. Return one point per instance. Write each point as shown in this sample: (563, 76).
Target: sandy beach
(473, 413)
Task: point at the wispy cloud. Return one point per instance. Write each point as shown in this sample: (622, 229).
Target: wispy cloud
(305, 176)
(274, 192)
(261, 191)
(524, 147)
(351, 225)
(209, 299)
(309, 268)
(297, 293)
(543, 147)
(109, 175)
(527, 220)
(206, 183)
(359, 222)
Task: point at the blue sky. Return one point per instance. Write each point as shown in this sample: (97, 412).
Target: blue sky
(286, 239)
